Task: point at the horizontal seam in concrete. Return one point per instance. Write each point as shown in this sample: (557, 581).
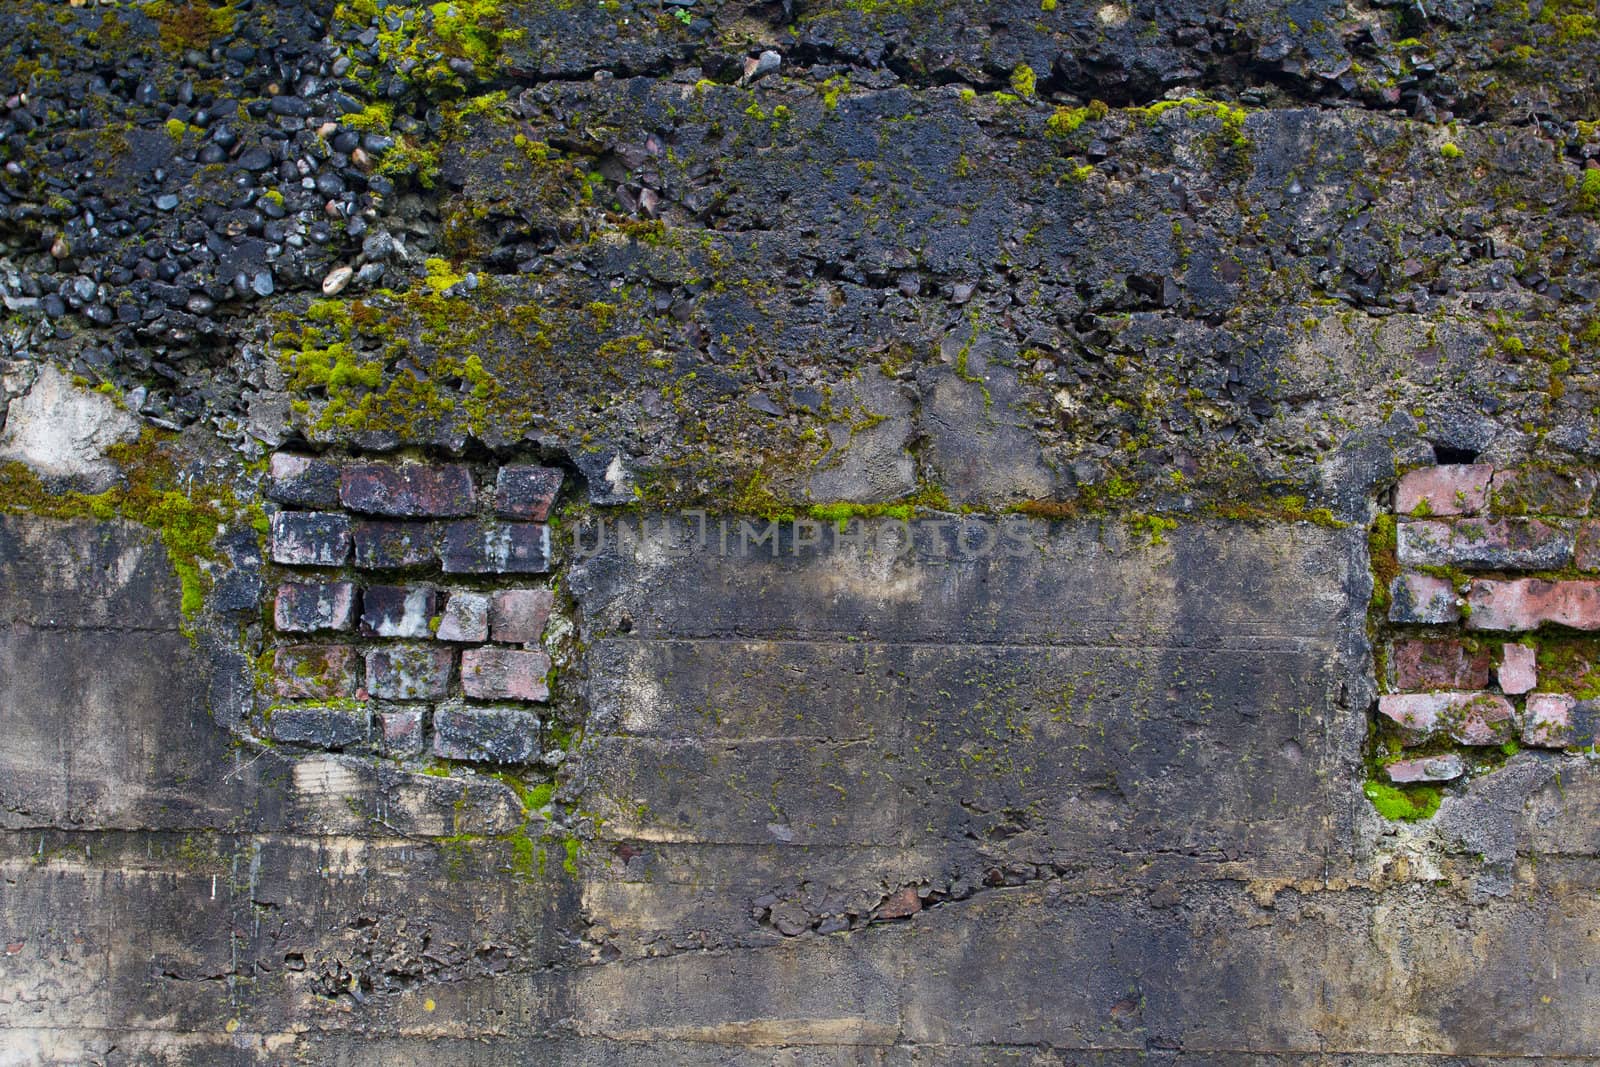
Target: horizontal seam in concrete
(1313, 642)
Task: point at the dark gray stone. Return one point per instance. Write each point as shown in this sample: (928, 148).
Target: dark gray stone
(485, 734)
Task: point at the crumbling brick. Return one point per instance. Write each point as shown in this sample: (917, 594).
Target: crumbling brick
(518, 616)
(1422, 598)
(310, 538)
(1428, 769)
(303, 481)
(397, 611)
(1527, 603)
(1519, 672)
(408, 490)
(465, 618)
(409, 672)
(323, 727)
(504, 674)
(1439, 664)
(496, 548)
(1499, 544)
(305, 607)
(526, 492)
(315, 672)
(1449, 489)
(486, 735)
(384, 545)
(402, 732)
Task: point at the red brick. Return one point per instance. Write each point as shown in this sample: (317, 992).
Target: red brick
(408, 490)
(504, 674)
(1450, 489)
(397, 611)
(1428, 769)
(1519, 544)
(1540, 490)
(391, 545)
(303, 607)
(304, 481)
(485, 735)
(402, 732)
(1422, 598)
(517, 616)
(1527, 603)
(1470, 718)
(523, 492)
(1485, 719)
(1586, 553)
(1519, 670)
(1443, 664)
(310, 538)
(1547, 720)
(496, 548)
(314, 672)
(901, 904)
(465, 618)
(409, 672)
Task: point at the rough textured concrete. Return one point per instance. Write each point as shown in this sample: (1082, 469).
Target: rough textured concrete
(912, 508)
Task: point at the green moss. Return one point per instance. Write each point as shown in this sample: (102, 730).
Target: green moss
(1588, 198)
(440, 275)
(968, 96)
(191, 25)
(422, 40)
(1449, 150)
(1408, 803)
(832, 89)
(373, 118)
(1569, 665)
(1385, 563)
(186, 517)
(570, 863)
(841, 514)
(1023, 81)
(1152, 529)
(1067, 120)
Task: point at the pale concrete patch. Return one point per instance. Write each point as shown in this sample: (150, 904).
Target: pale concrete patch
(62, 431)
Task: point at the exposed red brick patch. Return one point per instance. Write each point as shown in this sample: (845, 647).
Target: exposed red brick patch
(1527, 603)
(1439, 664)
(1469, 718)
(1586, 553)
(517, 616)
(1450, 489)
(1519, 671)
(314, 672)
(1547, 720)
(900, 904)
(504, 674)
(407, 490)
(1428, 769)
(1422, 598)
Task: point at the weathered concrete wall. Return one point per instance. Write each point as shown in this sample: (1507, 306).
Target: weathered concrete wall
(1121, 780)
(869, 532)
